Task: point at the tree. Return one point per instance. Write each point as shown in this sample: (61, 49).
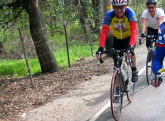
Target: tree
(109, 39)
(96, 13)
(37, 29)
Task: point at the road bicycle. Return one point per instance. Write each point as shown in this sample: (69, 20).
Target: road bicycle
(121, 82)
(150, 56)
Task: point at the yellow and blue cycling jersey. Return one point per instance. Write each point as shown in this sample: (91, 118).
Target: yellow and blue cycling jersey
(120, 26)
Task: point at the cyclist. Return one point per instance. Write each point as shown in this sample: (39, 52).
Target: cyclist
(123, 23)
(151, 18)
(159, 56)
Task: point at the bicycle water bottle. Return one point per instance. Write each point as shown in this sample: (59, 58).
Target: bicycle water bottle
(125, 70)
(123, 75)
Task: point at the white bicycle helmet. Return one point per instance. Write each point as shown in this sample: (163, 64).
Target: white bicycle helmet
(119, 2)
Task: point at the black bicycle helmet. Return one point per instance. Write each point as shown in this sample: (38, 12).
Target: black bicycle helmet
(148, 2)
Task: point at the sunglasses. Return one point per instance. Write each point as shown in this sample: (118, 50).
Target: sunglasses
(119, 7)
(150, 7)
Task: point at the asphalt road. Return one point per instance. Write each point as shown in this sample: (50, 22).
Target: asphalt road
(148, 105)
(90, 102)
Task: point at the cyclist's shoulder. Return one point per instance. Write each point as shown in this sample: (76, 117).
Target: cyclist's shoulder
(130, 14)
(160, 11)
(110, 13)
(129, 11)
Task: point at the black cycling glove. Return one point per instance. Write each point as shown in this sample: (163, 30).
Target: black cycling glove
(100, 50)
(142, 35)
(131, 49)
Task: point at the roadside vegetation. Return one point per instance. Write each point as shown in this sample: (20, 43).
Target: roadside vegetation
(18, 68)
(77, 21)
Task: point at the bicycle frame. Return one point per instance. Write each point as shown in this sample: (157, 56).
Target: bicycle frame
(119, 63)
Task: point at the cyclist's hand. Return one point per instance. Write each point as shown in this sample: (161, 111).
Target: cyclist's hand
(142, 35)
(157, 80)
(100, 52)
(131, 49)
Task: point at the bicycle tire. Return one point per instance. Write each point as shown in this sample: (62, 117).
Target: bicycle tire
(116, 99)
(149, 73)
(130, 85)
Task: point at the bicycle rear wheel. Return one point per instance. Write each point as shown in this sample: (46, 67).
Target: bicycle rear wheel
(149, 73)
(130, 86)
(116, 96)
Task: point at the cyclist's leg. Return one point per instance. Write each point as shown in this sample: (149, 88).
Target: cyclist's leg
(150, 31)
(134, 69)
(157, 65)
(158, 59)
(117, 45)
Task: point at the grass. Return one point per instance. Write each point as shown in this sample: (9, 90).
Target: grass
(18, 68)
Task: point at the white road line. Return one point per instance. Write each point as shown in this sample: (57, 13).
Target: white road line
(141, 71)
(108, 104)
(100, 112)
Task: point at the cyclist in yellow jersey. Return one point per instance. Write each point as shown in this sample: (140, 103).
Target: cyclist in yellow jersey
(123, 24)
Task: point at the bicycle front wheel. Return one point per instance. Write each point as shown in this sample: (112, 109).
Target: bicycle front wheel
(116, 95)
(130, 86)
(149, 73)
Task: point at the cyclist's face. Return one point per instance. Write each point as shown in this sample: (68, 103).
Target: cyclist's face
(151, 9)
(119, 10)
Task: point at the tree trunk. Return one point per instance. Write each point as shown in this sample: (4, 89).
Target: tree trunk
(96, 13)
(109, 39)
(40, 39)
(1, 47)
(82, 16)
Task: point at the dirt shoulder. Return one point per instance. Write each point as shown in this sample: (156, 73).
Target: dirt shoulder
(55, 92)
(17, 96)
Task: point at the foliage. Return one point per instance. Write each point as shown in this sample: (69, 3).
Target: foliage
(81, 17)
(18, 68)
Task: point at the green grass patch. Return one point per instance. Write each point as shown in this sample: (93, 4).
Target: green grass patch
(18, 68)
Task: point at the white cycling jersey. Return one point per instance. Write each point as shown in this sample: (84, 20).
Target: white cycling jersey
(153, 21)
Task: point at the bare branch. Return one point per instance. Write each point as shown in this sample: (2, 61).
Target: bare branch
(14, 18)
(13, 5)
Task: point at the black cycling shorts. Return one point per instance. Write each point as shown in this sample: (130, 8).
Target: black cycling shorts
(120, 44)
(150, 31)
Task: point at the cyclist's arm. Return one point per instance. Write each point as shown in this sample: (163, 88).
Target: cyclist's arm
(103, 35)
(133, 28)
(144, 25)
(160, 20)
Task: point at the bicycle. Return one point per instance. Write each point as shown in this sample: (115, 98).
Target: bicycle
(150, 56)
(119, 86)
